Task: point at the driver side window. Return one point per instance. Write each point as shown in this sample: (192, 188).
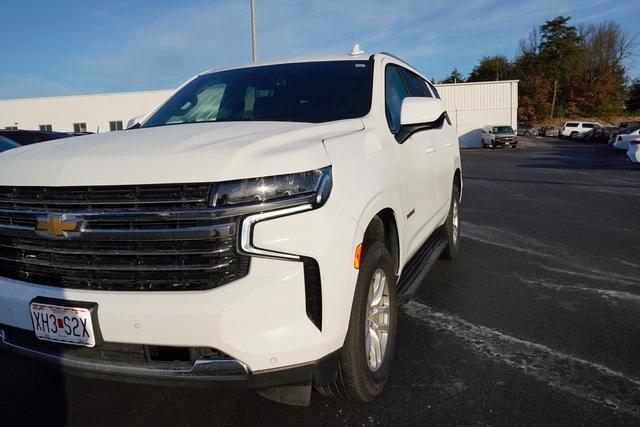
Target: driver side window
(395, 92)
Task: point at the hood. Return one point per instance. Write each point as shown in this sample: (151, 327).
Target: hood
(195, 152)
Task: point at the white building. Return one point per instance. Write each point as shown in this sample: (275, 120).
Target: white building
(79, 113)
(470, 105)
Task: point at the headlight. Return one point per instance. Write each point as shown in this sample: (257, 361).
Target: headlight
(259, 190)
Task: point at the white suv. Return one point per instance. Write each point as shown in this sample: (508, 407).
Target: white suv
(258, 229)
(573, 129)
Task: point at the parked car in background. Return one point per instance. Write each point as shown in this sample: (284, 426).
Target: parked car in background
(572, 129)
(499, 136)
(623, 138)
(28, 137)
(627, 125)
(548, 131)
(7, 144)
(597, 135)
(525, 129)
(625, 128)
(633, 153)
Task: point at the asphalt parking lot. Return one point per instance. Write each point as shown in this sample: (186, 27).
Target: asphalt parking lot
(537, 322)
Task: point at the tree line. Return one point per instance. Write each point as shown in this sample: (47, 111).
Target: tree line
(566, 70)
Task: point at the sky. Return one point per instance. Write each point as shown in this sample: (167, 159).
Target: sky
(66, 47)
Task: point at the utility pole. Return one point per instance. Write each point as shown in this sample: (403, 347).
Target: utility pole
(553, 103)
(254, 41)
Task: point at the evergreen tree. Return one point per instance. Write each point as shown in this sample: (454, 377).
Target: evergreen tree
(633, 100)
(454, 77)
(490, 68)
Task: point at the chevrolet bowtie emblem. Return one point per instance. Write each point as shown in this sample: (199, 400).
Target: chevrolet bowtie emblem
(56, 226)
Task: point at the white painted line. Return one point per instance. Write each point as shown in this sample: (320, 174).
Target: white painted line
(579, 377)
(573, 264)
(609, 293)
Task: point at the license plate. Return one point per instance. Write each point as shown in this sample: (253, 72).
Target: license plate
(68, 325)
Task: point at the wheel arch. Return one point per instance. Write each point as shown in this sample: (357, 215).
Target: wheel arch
(383, 227)
(457, 182)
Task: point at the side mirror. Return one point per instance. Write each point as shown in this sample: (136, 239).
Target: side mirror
(135, 122)
(418, 110)
(418, 114)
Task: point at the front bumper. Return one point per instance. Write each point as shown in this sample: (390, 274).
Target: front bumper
(259, 321)
(222, 372)
(504, 143)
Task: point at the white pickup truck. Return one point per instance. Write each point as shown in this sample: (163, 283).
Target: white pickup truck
(259, 229)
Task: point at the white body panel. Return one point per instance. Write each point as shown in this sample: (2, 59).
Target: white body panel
(200, 152)
(259, 319)
(633, 153)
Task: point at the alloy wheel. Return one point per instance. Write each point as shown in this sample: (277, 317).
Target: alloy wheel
(377, 320)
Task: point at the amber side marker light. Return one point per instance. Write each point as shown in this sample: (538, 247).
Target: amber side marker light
(356, 256)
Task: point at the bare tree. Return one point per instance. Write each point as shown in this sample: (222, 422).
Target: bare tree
(607, 43)
(531, 44)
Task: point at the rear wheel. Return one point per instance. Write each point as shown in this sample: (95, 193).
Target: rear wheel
(573, 135)
(452, 226)
(366, 356)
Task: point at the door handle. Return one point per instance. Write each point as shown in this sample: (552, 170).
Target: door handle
(430, 150)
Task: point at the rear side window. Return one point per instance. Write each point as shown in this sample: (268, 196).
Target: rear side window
(415, 84)
(588, 125)
(571, 125)
(395, 91)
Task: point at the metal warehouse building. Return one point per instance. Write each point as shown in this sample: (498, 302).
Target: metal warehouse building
(470, 105)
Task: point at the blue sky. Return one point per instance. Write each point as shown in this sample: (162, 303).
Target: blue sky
(69, 47)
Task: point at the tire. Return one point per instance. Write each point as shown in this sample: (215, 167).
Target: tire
(573, 135)
(453, 227)
(356, 380)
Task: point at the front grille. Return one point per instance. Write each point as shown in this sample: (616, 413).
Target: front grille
(160, 238)
(161, 196)
(505, 139)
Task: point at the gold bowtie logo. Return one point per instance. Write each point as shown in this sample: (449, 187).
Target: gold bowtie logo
(56, 226)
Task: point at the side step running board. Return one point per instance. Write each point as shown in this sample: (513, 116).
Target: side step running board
(420, 263)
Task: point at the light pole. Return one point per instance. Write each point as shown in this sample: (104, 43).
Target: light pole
(254, 41)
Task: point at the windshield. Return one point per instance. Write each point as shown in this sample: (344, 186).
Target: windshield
(302, 92)
(502, 129)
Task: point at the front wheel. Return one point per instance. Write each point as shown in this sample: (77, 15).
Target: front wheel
(365, 359)
(452, 226)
